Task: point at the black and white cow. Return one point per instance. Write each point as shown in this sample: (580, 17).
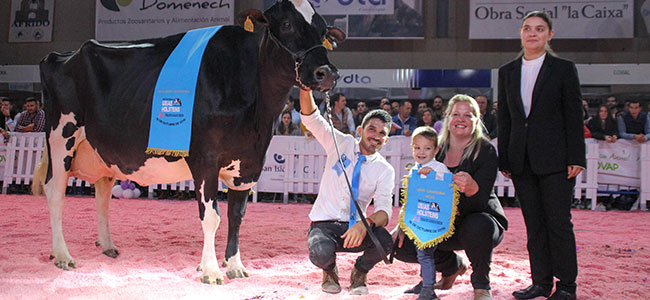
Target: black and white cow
(98, 102)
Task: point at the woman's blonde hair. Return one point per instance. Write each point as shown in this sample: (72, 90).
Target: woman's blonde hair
(474, 145)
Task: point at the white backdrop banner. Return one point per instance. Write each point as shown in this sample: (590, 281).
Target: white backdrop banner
(572, 19)
(31, 21)
(20, 73)
(619, 163)
(354, 7)
(124, 20)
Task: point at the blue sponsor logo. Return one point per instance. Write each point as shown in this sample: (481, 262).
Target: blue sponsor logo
(317, 3)
(278, 158)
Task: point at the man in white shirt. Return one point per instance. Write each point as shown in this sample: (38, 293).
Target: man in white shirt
(331, 230)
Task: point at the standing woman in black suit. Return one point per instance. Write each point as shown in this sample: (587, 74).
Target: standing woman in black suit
(542, 148)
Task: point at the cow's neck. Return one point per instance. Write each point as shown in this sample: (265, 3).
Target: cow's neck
(277, 76)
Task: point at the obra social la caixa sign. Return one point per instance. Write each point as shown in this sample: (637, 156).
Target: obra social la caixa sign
(498, 19)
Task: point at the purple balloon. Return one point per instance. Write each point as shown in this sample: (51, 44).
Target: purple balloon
(131, 186)
(124, 184)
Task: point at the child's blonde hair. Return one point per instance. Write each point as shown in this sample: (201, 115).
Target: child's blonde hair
(427, 132)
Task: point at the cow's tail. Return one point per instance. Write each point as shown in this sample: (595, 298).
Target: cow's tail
(40, 173)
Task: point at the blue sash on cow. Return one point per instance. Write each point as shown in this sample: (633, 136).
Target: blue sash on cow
(429, 208)
(170, 130)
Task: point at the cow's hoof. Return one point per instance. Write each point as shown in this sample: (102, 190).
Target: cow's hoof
(111, 253)
(64, 264)
(208, 280)
(236, 274)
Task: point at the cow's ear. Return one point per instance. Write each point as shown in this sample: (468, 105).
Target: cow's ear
(252, 18)
(335, 34)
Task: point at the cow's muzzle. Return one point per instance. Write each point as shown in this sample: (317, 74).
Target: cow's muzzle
(325, 78)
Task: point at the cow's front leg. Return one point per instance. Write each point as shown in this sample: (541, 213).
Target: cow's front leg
(236, 211)
(210, 219)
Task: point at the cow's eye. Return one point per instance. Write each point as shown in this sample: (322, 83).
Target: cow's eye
(286, 26)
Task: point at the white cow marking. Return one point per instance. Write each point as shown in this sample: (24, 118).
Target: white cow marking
(210, 223)
(228, 174)
(304, 8)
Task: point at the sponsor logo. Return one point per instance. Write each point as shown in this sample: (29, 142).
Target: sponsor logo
(32, 13)
(318, 3)
(278, 158)
(114, 5)
(160, 5)
(356, 78)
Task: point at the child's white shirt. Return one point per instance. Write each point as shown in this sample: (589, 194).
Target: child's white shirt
(435, 166)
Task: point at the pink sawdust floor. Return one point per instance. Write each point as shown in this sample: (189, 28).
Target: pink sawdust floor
(160, 246)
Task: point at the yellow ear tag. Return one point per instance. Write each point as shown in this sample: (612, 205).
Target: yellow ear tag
(328, 45)
(248, 24)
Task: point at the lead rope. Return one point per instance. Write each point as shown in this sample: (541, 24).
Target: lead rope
(374, 239)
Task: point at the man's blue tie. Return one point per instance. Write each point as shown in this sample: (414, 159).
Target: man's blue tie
(356, 174)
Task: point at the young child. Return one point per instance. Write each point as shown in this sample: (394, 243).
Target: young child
(424, 145)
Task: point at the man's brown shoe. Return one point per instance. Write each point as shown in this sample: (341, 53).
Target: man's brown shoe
(448, 281)
(331, 281)
(358, 282)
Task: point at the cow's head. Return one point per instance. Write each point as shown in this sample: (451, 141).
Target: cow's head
(300, 31)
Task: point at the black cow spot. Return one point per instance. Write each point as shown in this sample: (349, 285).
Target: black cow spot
(70, 143)
(68, 130)
(67, 162)
(201, 210)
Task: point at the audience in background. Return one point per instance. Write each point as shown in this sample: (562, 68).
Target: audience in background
(425, 118)
(384, 100)
(612, 105)
(489, 120)
(634, 124)
(603, 127)
(362, 110)
(404, 120)
(32, 119)
(341, 114)
(421, 106)
(386, 107)
(286, 126)
(394, 106)
(586, 116)
(8, 113)
(438, 108)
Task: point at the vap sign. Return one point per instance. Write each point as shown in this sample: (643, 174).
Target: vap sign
(354, 7)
